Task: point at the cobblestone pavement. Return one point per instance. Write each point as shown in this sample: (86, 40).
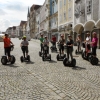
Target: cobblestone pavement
(47, 80)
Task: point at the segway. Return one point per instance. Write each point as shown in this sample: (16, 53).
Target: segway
(4, 59)
(53, 47)
(78, 52)
(26, 58)
(46, 55)
(22, 59)
(60, 56)
(84, 56)
(89, 57)
(66, 61)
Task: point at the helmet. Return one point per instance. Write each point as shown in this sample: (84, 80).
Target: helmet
(24, 36)
(45, 36)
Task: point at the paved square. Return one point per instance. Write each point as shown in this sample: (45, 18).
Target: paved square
(48, 80)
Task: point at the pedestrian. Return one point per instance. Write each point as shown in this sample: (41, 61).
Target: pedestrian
(87, 42)
(53, 40)
(41, 42)
(46, 42)
(94, 44)
(69, 44)
(24, 47)
(78, 40)
(62, 42)
(7, 46)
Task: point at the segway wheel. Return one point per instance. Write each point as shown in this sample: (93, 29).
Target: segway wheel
(13, 59)
(73, 63)
(83, 55)
(65, 62)
(50, 57)
(94, 61)
(43, 58)
(57, 57)
(4, 60)
(28, 58)
(76, 52)
(21, 59)
(40, 54)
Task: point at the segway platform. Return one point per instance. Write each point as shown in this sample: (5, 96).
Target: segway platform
(72, 63)
(60, 57)
(22, 59)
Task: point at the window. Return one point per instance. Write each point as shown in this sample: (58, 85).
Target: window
(69, 12)
(64, 15)
(89, 6)
(64, 2)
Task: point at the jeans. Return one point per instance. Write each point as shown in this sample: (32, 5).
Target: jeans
(69, 52)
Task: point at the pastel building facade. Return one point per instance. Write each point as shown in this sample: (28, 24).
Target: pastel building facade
(44, 20)
(87, 18)
(65, 17)
(53, 18)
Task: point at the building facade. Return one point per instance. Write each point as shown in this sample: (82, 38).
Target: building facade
(23, 28)
(32, 19)
(28, 26)
(37, 29)
(87, 18)
(65, 17)
(44, 19)
(53, 18)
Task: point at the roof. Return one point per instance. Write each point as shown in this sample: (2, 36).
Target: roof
(22, 23)
(34, 7)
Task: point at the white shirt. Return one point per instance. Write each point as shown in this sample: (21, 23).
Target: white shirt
(46, 41)
(88, 39)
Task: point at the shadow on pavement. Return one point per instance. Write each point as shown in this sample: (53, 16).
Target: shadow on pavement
(29, 62)
(78, 68)
(52, 61)
(10, 65)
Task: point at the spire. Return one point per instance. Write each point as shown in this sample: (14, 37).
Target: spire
(28, 14)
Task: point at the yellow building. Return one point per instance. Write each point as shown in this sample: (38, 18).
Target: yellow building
(65, 16)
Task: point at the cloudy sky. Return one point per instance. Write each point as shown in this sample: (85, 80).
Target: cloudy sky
(13, 11)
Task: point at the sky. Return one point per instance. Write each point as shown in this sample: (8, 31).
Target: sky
(13, 11)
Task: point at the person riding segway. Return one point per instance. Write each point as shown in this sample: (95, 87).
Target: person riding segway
(46, 54)
(8, 47)
(24, 47)
(69, 50)
(87, 46)
(61, 54)
(53, 41)
(78, 40)
(93, 59)
(41, 45)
